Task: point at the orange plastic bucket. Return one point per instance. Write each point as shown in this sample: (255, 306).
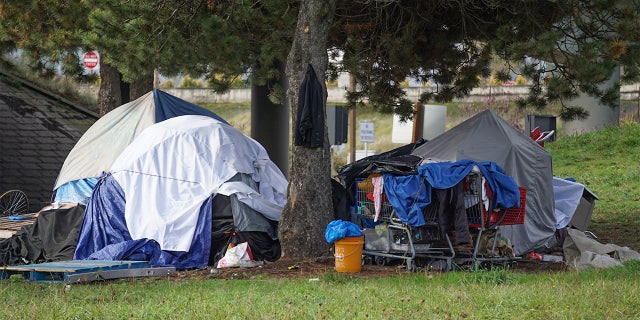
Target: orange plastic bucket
(348, 254)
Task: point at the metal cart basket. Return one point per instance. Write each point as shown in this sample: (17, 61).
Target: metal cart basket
(388, 238)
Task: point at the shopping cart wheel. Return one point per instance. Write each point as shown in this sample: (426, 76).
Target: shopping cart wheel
(411, 266)
(380, 261)
(13, 203)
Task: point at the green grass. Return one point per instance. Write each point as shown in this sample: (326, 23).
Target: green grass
(593, 294)
(237, 114)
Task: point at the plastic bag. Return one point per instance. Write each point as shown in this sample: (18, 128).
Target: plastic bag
(236, 255)
(339, 229)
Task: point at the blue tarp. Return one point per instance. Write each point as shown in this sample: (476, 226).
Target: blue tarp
(168, 106)
(568, 193)
(338, 229)
(76, 191)
(104, 234)
(409, 194)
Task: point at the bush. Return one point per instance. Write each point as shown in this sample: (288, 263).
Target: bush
(167, 84)
(188, 82)
(521, 80)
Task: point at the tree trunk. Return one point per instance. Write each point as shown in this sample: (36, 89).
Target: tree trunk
(309, 207)
(141, 87)
(109, 96)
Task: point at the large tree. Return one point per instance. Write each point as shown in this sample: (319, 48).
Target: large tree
(309, 208)
(133, 40)
(571, 45)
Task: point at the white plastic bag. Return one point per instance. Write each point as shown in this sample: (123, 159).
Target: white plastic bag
(236, 255)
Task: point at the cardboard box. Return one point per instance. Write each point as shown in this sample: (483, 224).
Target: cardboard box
(582, 215)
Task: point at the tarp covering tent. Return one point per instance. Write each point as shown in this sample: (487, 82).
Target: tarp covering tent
(97, 149)
(399, 161)
(155, 202)
(488, 137)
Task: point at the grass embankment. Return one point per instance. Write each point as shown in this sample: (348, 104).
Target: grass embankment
(605, 161)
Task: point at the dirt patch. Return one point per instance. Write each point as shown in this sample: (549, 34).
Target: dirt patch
(286, 268)
(317, 268)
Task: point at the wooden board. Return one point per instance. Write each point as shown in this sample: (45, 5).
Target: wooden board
(10, 227)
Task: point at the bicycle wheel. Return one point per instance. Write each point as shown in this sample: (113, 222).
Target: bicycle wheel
(13, 202)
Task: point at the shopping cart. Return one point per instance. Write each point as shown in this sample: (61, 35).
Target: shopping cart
(489, 245)
(387, 238)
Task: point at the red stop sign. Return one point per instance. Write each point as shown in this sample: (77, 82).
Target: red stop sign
(90, 59)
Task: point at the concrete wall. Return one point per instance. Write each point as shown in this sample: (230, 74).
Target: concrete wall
(629, 91)
(337, 95)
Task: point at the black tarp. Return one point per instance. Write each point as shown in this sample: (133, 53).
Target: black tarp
(52, 237)
(398, 161)
(342, 201)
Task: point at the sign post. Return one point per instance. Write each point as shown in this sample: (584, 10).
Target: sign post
(366, 134)
(90, 60)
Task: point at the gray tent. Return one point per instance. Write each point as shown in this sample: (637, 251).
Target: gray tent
(488, 137)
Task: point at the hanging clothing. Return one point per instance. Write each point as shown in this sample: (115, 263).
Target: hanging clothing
(377, 195)
(309, 129)
(452, 212)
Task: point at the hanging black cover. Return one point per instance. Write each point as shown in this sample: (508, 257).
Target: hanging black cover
(309, 129)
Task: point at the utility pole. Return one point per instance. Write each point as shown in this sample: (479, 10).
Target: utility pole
(352, 122)
(417, 122)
